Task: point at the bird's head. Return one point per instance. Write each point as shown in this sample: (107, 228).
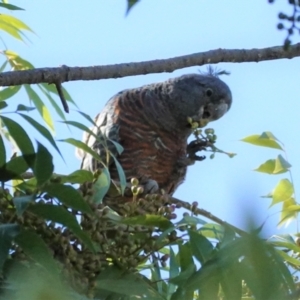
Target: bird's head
(198, 98)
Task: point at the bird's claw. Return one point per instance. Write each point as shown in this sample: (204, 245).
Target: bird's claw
(195, 146)
(150, 186)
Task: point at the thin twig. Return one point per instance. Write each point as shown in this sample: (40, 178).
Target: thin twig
(61, 96)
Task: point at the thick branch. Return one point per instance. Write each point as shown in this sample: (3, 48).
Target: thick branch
(64, 73)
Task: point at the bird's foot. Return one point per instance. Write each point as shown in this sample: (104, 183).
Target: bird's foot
(193, 147)
(150, 186)
(141, 187)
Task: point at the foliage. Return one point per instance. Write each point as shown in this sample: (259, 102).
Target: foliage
(284, 191)
(56, 231)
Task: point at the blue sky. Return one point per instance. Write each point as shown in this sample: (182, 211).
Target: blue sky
(266, 95)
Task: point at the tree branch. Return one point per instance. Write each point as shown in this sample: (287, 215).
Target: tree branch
(64, 73)
(206, 214)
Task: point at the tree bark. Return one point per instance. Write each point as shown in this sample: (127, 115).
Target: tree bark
(65, 73)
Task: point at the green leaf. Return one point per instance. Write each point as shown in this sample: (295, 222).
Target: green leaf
(162, 237)
(291, 260)
(111, 272)
(284, 238)
(83, 147)
(2, 68)
(287, 215)
(100, 138)
(68, 97)
(42, 130)
(283, 191)
(14, 22)
(228, 237)
(214, 231)
(261, 259)
(7, 233)
(80, 126)
(39, 104)
(231, 282)
(211, 272)
(189, 220)
(267, 167)
(33, 245)
(28, 185)
(183, 276)
(174, 267)
(20, 137)
(86, 116)
(156, 278)
(10, 6)
(43, 166)
(60, 215)
(13, 168)
(174, 271)
(131, 285)
(68, 196)
(8, 28)
(283, 242)
(185, 256)
(3, 104)
(281, 165)
(57, 108)
(130, 4)
(79, 176)
(101, 186)
(121, 174)
(22, 107)
(17, 62)
(2, 152)
(52, 89)
(118, 147)
(21, 203)
(266, 139)
(286, 275)
(149, 220)
(201, 247)
(9, 92)
(86, 130)
(293, 207)
(272, 166)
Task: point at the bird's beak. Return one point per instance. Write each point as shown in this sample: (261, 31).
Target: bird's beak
(219, 111)
(212, 112)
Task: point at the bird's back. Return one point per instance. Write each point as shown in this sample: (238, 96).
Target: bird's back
(151, 150)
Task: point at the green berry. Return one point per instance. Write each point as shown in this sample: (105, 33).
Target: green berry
(209, 131)
(134, 181)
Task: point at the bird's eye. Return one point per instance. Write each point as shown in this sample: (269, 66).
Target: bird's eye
(208, 92)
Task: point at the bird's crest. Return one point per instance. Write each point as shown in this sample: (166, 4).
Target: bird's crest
(214, 72)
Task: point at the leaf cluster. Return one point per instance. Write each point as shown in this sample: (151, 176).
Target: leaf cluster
(284, 190)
